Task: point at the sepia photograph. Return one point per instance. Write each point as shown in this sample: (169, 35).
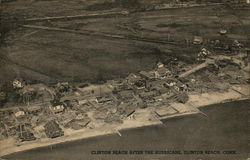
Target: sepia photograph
(124, 79)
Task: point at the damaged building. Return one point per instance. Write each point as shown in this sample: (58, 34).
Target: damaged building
(53, 130)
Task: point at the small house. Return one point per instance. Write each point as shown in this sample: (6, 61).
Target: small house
(53, 130)
(96, 90)
(223, 31)
(160, 65)
(126, 95)
(197, 40)
(154, 83)
(63, 87)
(162, 90)
(147, 95)
(26, 136)
(104, 99)
(126, 108)
(83, 102)
(17, 84)
(77, 124)
(57, 109)
(148, 75)
(132, 79)
(19, 113)
(163, 72)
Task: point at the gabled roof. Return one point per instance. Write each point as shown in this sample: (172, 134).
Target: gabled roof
(57, 109)
(160, 65)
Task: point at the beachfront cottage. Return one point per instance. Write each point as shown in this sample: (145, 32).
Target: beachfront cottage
(77, 124)
(26, 136)
(53, 130)
(126, 109)
(182, 98)
(104, 99)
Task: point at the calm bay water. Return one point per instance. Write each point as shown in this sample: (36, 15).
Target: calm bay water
(224, 130)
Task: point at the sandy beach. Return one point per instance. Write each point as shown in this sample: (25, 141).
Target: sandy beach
(144, 117)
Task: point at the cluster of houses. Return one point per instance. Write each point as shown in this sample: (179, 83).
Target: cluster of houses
(66, 106)
(47, 111)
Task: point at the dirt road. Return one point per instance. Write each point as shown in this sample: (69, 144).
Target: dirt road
(76, 57)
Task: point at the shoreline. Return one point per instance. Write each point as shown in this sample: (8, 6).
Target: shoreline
(145, 117)
(159, 78)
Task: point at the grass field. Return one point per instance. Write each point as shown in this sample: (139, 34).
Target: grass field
(61, 56)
